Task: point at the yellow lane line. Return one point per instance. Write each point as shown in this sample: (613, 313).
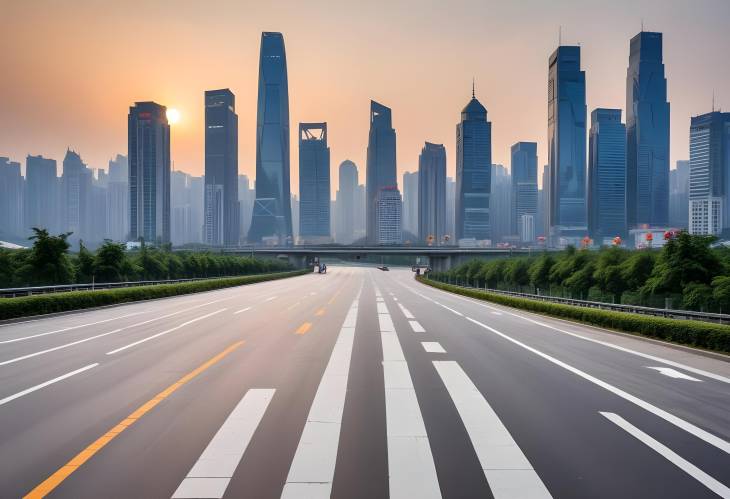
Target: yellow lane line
(53, 481)
(332, 300)
(319, 313)
(304, 328)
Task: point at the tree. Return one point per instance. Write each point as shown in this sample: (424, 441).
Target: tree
(48, 262)
(111, 263)
(607, 275)
(84, 264)
(637, 268)
(721, 292)
(540, 272)
(696, 296)
(517, 272)
(581, 280)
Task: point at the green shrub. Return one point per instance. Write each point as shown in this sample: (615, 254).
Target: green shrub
(695, 333)
(61, 302)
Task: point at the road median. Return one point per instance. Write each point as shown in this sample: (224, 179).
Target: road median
(693, 333)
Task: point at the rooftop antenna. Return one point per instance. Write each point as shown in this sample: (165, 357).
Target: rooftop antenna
(560, 35)
(713, 100)
(642, 24)
(473, 96)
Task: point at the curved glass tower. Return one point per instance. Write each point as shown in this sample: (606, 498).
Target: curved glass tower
(271, 219)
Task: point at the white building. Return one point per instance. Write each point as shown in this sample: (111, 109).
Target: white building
(389, 211)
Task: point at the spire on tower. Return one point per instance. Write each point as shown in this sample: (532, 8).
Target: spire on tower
(473, 95)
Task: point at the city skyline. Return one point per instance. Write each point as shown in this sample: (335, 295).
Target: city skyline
(333, 95)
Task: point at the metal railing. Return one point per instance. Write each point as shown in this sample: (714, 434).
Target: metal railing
(634, 309)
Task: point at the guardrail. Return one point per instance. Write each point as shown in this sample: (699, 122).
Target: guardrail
(39, 290)
(634, 309)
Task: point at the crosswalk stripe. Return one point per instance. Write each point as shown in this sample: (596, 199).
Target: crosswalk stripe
(210, 475)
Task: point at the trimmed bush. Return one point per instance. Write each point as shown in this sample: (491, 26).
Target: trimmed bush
(694, 333)
(61, 302)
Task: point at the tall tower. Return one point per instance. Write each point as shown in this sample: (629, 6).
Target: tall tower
(149, 172)
(314, 183)
(271, 217)
(473, 172)
(647, 133)
(432, 194)
(381, 167)
(221, 222)
(76, 196)
(348, 211)
(41, 196)
(524, 186)
(566, 146)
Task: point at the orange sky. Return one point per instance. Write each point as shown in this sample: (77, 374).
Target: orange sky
(71, 69)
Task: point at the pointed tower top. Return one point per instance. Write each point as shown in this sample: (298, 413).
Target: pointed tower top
(473, 95)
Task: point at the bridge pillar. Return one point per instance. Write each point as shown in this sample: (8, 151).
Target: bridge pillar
(298, 261)
(440, 263)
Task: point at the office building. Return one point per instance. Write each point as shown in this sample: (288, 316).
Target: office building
(450, 229)
(432, 194)
(12, 186)
(500, 205)
(381, 167)
(117, 212)
(76, 183)
(314, 183)
(410, 203)
(679, 195)
(388, 211)
(524, 187)
(41, 194)
(246, 198)
(347, 211)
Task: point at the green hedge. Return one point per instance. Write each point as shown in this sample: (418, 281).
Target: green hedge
(61, 302)
(695, 333)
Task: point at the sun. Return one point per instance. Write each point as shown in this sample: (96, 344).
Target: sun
(173, 116)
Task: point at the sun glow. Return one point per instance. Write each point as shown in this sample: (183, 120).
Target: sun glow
(173, 116)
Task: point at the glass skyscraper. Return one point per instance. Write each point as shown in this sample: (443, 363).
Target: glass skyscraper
(149, 172)
(272, 218)
(432, 194)
(473, 172)
(381, 171)
(348, 211)
(647, 134)
(607, 176)
(524, 186)
(41, 200)
(314, 183)
(566, 146)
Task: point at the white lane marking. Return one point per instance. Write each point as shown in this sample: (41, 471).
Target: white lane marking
(242, 310)
(406, 312)
(674, 458)
(507, 470)
(668, 362)
(210, 475)
(382, 309)
(411, 470)
(673, 373)
(115, 331)
(312, 293)
(271, 298)
(395, 299)
(416, 326)
(167, 331)
(671, 418)
(433, 347)
(46, 383)
(496, 313)
(313, 466)
(14, 340)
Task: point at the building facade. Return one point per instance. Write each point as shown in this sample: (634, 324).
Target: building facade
(12, 187)
(432, 194)
(76, 183)
(41, 193)
(314, 183)
(388, 210)
(345, 215)
(679, 195)
(381, 168)
(410, 202)
(524, 187)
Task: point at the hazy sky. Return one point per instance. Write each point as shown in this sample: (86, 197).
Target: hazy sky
(70, 69)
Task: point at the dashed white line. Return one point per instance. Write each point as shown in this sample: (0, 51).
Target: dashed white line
(46, 383)
(271, 298)
(433, 347)
(673, 373)
(416, 326)
(242, 310)
(406, 312)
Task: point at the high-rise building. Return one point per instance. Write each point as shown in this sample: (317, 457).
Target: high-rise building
(388, 210)
(647, 134)
(41, 194)
(410, 203)
(11, 198)
(117, 212)
(272, 212)
(246, 198)
(347, 209)
(314, 183)
(543, 224)
(473, 172)
(381, 168)
(221, 223)
(76, 196)
(432, 194)
(606, 176)
(527, 228)
(567, 146)
(500, 204)
(360, 213)
(679, 195)
(449, 237)
(709, 175)
(149, 173)
(524, 186)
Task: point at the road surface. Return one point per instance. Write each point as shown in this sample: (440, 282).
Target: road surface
(355, 384)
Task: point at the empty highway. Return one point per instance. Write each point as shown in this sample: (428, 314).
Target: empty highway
(355, 384)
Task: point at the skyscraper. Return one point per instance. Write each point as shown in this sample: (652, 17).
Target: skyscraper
(314, 183)
(679, 195)
(381, 168)
(347, 208)
(500, 204)
(709, 176)
(149, 173)
(450, 210)
(647, 133)
(246, 198)
(410, 202)
(11, 198)
(118, 198)
(272, 214)
(41, 193)
(76, 196)
(473, 172)
(566, 146)
(221, 224)
(388, 212)
(607, 176)
(432, 194)
(524, 186)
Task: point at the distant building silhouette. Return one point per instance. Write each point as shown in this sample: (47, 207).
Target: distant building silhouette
(246, 199)
(450, 228)
(221, 223)
(432, 194)
(410, 202)
(118, 198)
(12, 186)
(524, 187)
(272, 213)
(679, 195)
(314, 183)
(347, 209)
(149, 173)
(647, 133)
(607, 176)
(76, 196)
(500, 205)
(388, 211)
(42, 194)
(566, 146)
(381, 169)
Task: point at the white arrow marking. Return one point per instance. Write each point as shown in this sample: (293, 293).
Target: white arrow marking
(673, 373)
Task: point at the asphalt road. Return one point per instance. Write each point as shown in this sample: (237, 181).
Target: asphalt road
(355, 384)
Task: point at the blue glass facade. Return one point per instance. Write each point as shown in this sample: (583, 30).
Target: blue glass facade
(607, 175)
(473, 172)
(432, 194)
(524, 183)
(272, 208)
(314, 182)
(647, 133)
(381, 166)
(566, 144)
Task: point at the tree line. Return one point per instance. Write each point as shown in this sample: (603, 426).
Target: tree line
(50, 262)
(687, 273)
